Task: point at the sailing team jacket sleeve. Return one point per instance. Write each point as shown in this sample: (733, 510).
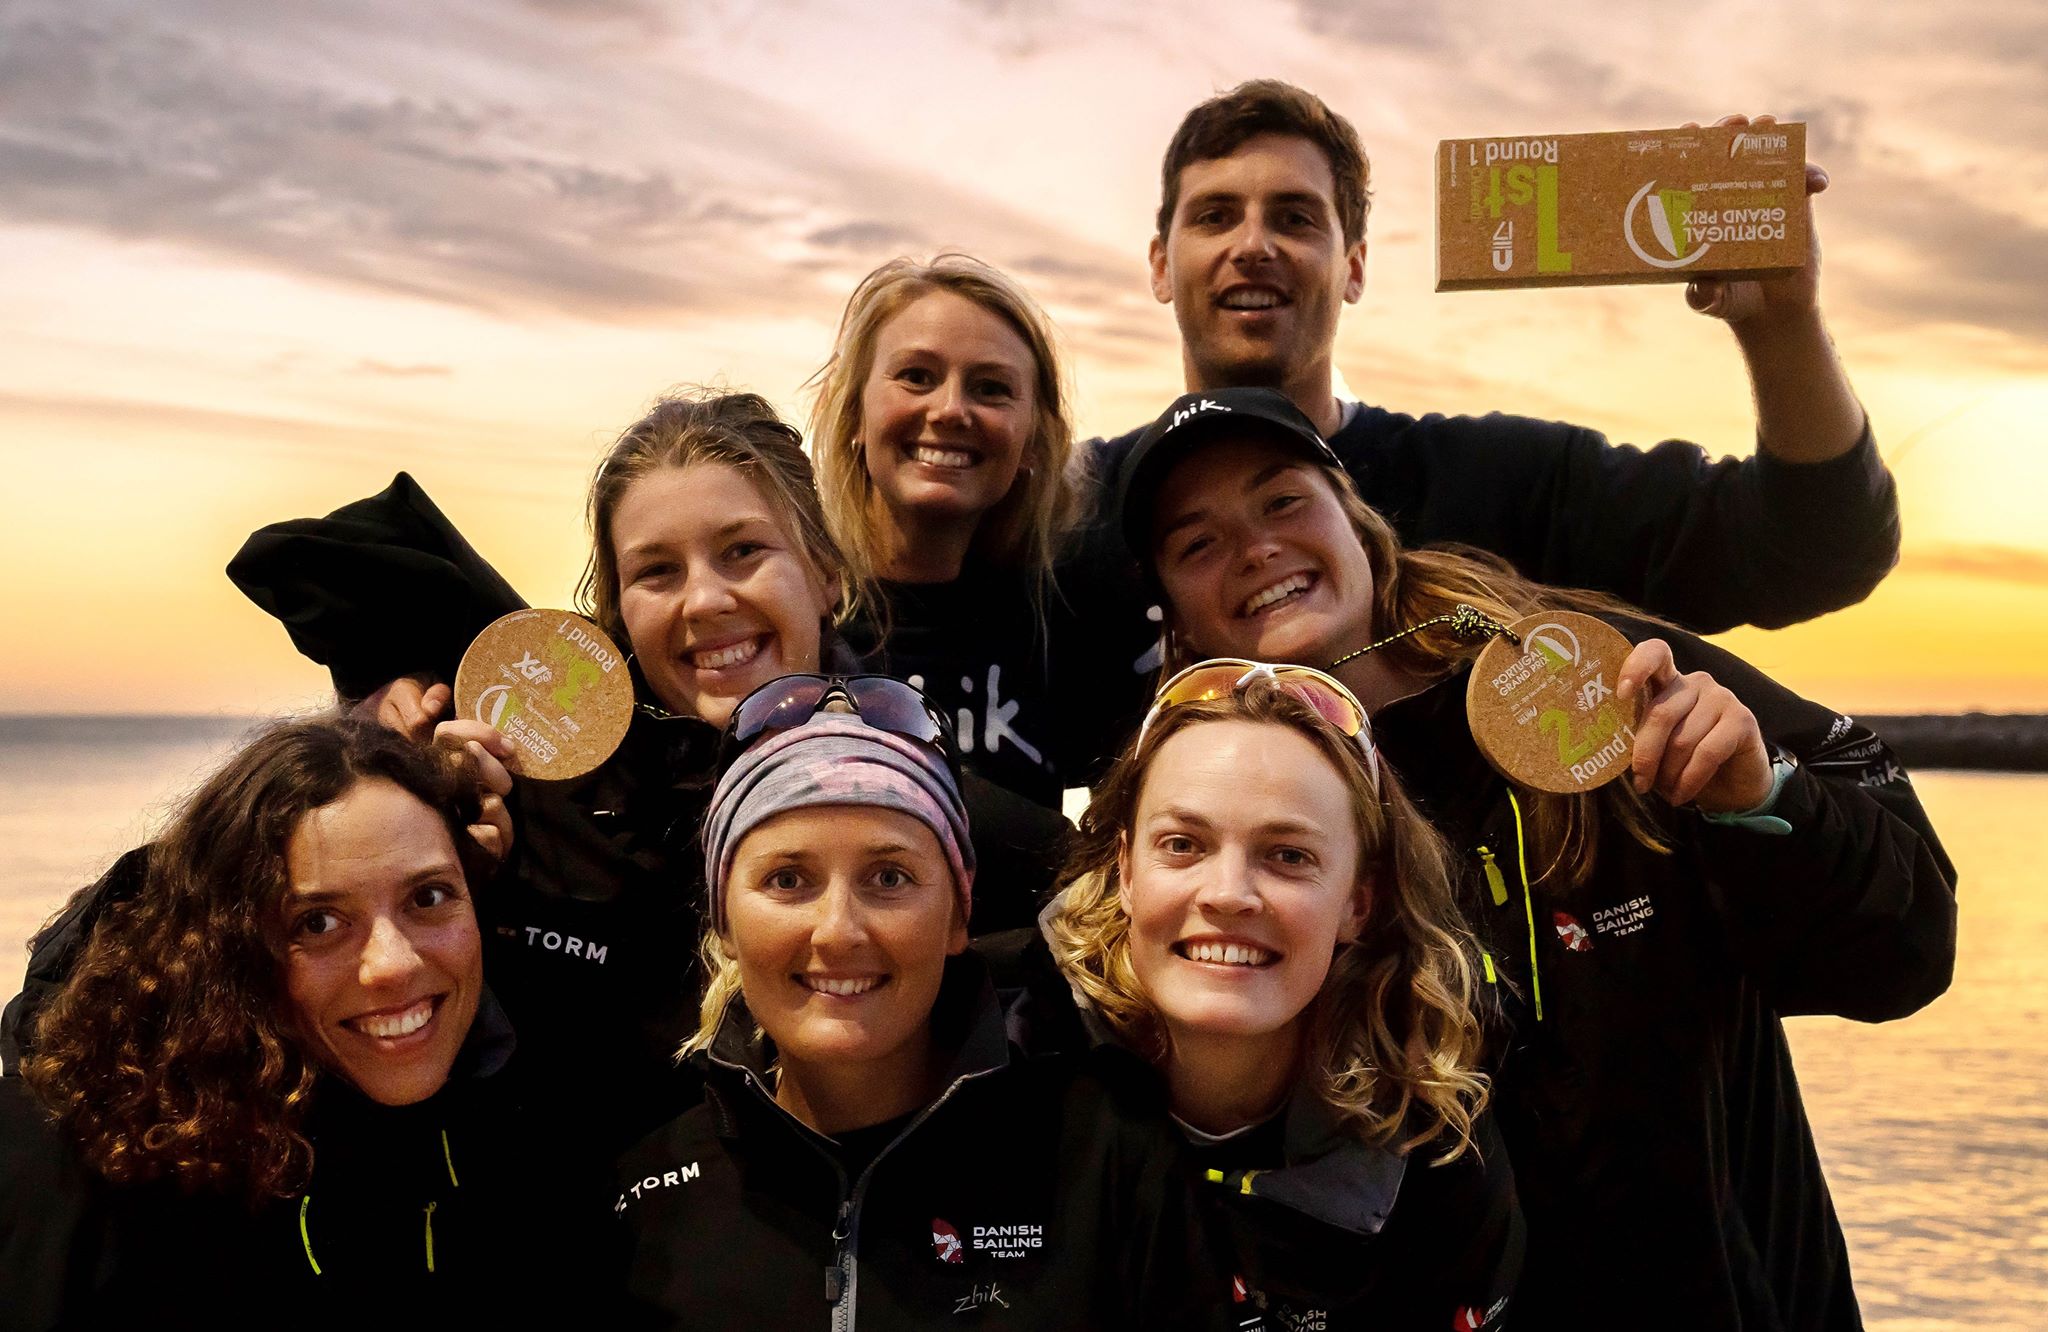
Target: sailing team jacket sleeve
(1708, 543)
(1852, 913)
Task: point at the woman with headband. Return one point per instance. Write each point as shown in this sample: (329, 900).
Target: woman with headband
(1260, 913)
(1764, 857)
(869, 1153)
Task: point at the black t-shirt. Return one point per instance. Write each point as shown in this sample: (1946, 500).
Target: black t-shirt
(976, 648)
(1040, 695)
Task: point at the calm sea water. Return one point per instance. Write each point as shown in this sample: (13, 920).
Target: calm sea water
(1934, 1130)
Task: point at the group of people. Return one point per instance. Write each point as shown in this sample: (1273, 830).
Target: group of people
(808, 1008)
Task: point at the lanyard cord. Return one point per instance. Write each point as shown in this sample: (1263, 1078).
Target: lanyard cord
(1528, 904)
(1468, 625)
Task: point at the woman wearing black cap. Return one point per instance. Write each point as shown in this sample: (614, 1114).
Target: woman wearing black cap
(869, 1153)
(1764, 857)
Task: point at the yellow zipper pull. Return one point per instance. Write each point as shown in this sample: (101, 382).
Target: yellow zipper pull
(1496, 883)
(430, 1235)
(1492, 977)
(306, 1236)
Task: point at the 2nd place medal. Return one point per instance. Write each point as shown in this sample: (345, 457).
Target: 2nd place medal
(1544, 712)
(552, 683)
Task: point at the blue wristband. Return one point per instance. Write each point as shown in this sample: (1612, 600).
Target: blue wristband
(1758, 818)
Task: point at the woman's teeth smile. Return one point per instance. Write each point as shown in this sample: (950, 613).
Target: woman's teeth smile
(1287, 589)
(840, 987)
(735, 654)
(1227, 954)
(937, 457)
(391, 1026)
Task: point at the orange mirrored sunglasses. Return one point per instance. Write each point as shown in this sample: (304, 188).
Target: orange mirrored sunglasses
(1219, 677)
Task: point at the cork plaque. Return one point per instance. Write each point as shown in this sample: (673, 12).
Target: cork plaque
(554, 685)
(1557, 210)
(1545, 714)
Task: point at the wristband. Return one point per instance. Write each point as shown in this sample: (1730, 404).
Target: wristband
(1758, 817)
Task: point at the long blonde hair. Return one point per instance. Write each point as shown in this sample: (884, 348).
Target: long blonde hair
(1026, 529)
(1411, 586)
(1393, 1042)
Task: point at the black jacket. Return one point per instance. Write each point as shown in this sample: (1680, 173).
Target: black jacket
(1028, 1194)
(1333, 1233)
(592, 924)
(56, 948)
(436, 1214)
(1660, 1149)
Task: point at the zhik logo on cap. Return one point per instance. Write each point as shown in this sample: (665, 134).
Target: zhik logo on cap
(1188, 413)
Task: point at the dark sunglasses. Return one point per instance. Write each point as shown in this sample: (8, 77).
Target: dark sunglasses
(880, 701)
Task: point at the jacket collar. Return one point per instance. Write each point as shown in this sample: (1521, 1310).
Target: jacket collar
(1330, 1174)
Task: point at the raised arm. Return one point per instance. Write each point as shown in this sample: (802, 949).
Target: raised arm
(1805, 410)
(1808, 524)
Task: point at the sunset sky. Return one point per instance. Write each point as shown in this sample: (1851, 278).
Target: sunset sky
(255, 258)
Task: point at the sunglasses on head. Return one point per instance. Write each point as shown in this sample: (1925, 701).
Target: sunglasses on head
(1220, 677)
(880, 701)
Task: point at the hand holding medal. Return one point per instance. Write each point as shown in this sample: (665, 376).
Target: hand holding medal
(1696, 743)
(1563, 703)
(553, 685)
(1545, 705)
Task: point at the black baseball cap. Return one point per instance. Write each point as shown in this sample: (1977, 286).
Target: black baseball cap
(1200, 418)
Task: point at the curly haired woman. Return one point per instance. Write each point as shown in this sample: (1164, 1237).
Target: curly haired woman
(1261, 914)
(276, 1071)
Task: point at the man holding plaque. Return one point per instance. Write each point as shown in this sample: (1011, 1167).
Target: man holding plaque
(1260, 245)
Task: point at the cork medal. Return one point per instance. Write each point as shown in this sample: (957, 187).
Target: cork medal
(1544, 712)
(554, 685)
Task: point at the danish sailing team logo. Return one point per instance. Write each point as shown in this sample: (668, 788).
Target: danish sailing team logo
(1571, 932)
(946, 1246)
(1665, 211)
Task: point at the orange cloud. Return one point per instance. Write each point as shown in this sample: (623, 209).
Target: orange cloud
(2007, 564)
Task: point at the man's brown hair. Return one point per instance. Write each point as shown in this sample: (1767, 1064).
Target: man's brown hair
(1221, 125)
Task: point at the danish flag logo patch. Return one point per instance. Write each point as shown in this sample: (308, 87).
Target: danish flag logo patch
(946, 1246)
(1571, 932)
